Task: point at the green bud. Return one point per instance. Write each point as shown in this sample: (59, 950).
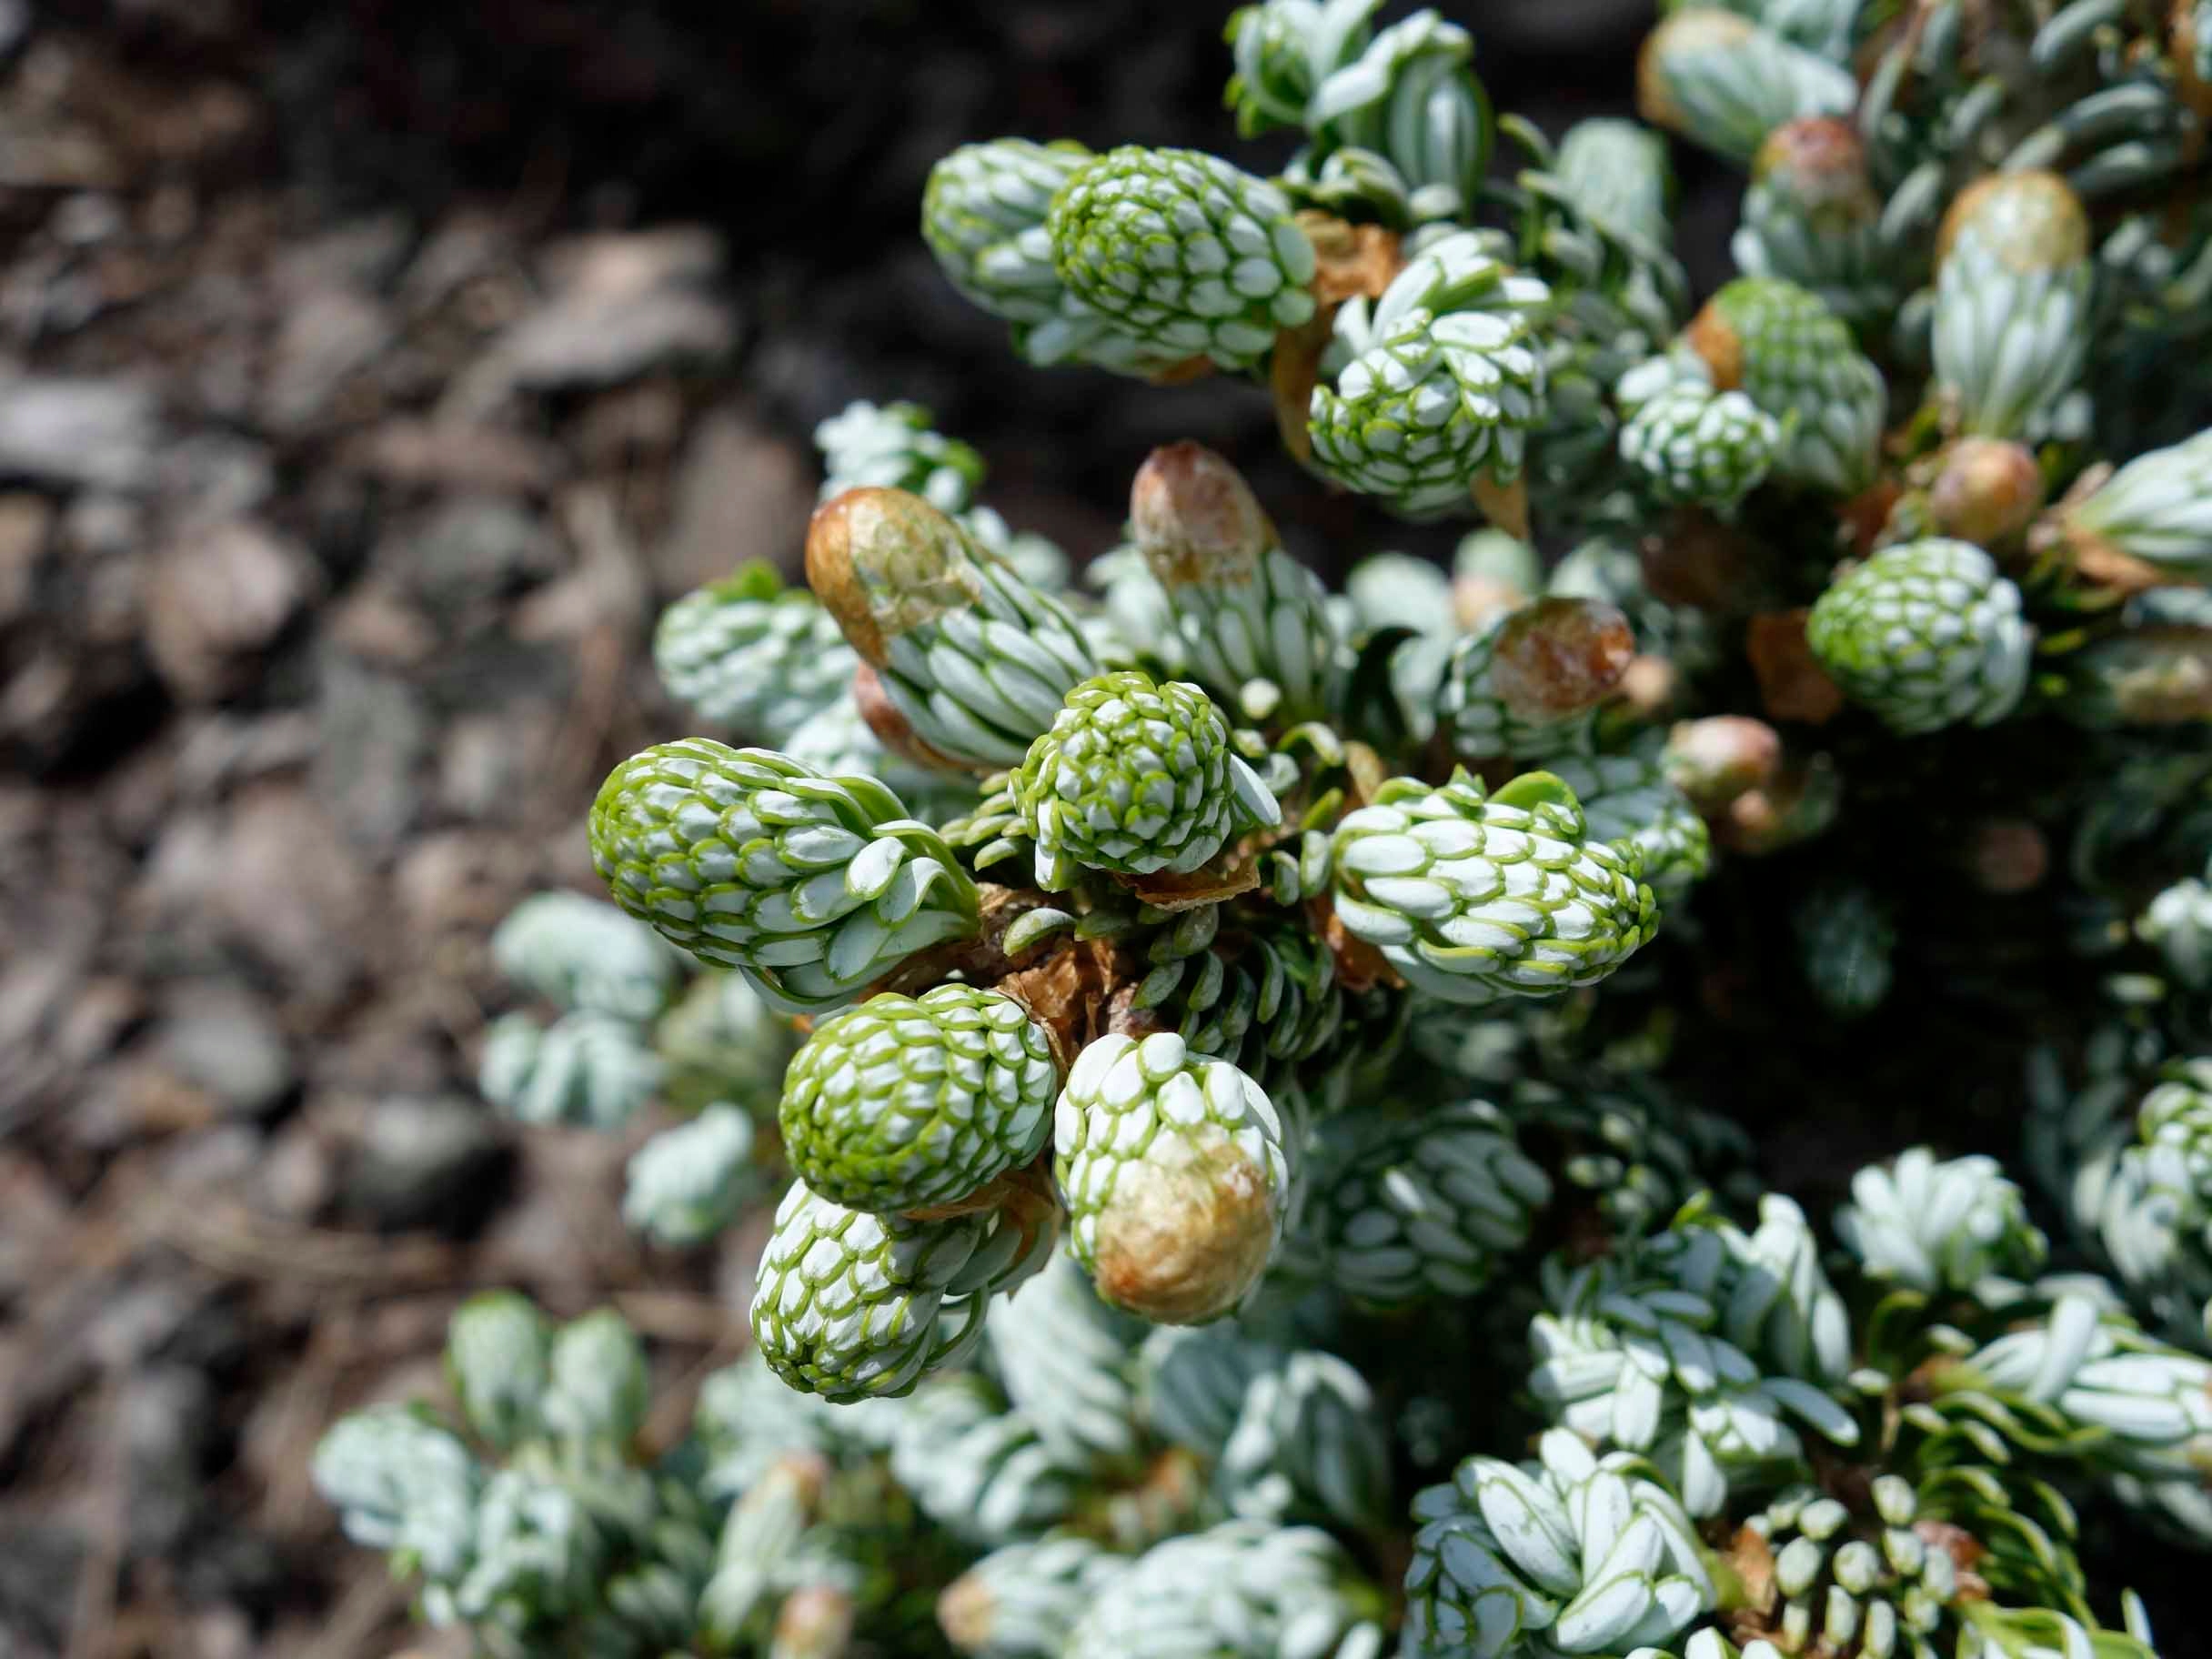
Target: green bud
(1811, 216)
(906, 1103)
(1693, 446)
(1473, 897)
(814, 886)
(1434, 387)
(1926, 635)
(850, 1305)
(1187, 253)
(1136, 778)
(1794, 359)
(1528, 683)
(983, 216)
(2012, 297)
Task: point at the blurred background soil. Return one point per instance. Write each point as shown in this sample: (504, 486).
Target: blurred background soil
(370, 373)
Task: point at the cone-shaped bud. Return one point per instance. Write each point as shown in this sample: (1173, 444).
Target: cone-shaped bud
(1587, 1555)
(1175, 1176)
(1695, 446)
(1428, 1208)
(2012, 299)
(1184, 251)
(1628, 799)
(815, 887)
(2158, 676)
(1531, 682)
(973, 657)
(1136, 778)
(1473, 897)
(906, 1103)
(2158, 509)
(1795, 359)
(850, 1305)
(747, 654)
(1434, 388)
(1721, 81)
(1246, 610)
(1925, 635)
(1987, 492)
(1715, 760)
(983, 217)
(1811, 217)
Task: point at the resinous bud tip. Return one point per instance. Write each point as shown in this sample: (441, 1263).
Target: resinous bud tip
(1988, 491)
(1820, 162)
(882, 561)
(2008, 855)
(1196, 518)
(2028, 221)
(1560, 656)
(1715, 759)
(1186, 1233)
